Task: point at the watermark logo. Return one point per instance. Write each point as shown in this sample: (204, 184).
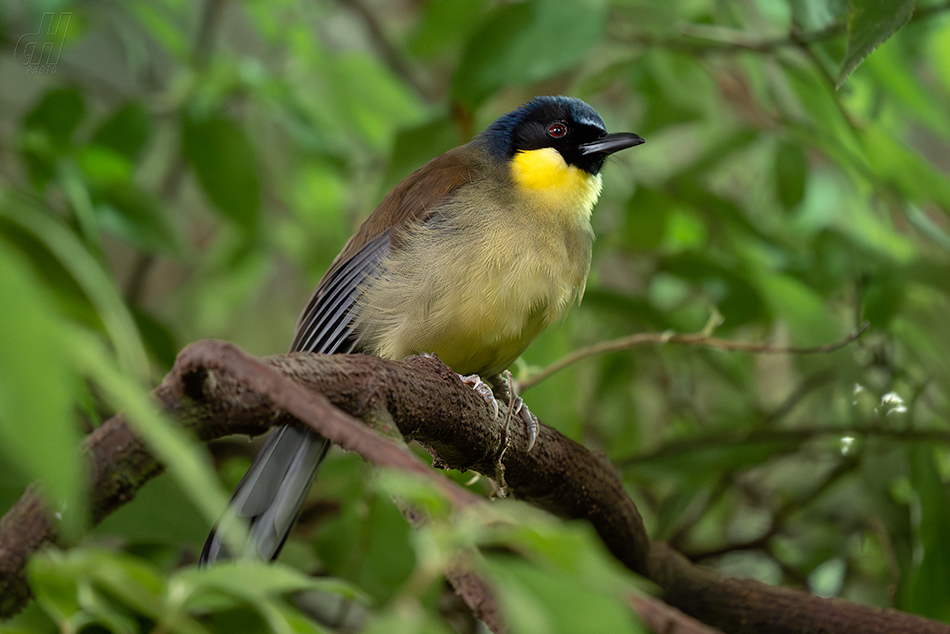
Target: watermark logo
(40, 51)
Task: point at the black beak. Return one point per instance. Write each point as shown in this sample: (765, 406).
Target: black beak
(611, 143)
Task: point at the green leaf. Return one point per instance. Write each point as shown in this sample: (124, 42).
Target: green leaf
(526, 42)
(225, 164)
(684, 230)
(889, 66)
(825, 123)
(386, 560)
(549, 601)
(92, 585)
(257, 583)
(416, 491)
(135, 215)
(812, 15)
(126, 132)
(148, 520)
(375, 102)
(104, 166)
(883, 298)
(715, 208)
(162, 25)
(445, 23)
(646, 215)
(57, 115)
(403, 616)
(253, 580)
(566, 550)
(939, 51)
(726, 285)
(158, 338)
(38, 383)
(47, 132)
(562, 580)
(896, 163)
(87, 271)
(827, 579)
(54, 591)
(669, 82)
(121, 591)
(927, 589)
(869, 24)
(791, 173)
(801, 307)
(923, 223)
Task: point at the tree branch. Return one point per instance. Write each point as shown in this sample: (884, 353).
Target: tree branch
(696, 339)
(216, 390)
(661, 618)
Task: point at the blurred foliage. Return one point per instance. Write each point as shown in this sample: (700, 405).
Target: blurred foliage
(173, 171)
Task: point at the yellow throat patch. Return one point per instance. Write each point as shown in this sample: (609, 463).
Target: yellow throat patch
(543, 174)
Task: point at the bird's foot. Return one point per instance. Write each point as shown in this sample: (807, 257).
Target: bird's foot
(505, 392)
(530, 420)
(482, 389)
(517, 406)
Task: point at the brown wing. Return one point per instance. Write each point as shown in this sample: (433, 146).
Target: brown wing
(325, 324)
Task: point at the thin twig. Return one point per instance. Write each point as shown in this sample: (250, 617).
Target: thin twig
(790, 437)
(696, 339)
(779, 517)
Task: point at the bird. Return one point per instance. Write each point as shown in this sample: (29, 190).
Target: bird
(468, 258)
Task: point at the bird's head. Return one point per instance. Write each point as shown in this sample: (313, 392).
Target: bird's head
(567, 125)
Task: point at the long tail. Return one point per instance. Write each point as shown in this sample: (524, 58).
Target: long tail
(270, 495)
(272, 491)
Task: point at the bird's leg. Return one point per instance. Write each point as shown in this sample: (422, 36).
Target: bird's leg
(505, 390)
(499, 488)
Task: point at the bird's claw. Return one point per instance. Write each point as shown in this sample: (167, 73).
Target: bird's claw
(482, 389)
(516, 405)
(530, 420)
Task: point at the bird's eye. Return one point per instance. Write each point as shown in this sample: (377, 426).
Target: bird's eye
(557, 130)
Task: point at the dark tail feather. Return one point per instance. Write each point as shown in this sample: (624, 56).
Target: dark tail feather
(270, 495)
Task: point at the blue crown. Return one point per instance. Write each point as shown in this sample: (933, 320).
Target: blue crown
(499, 134)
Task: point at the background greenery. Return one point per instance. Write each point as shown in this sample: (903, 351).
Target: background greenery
(188, 170)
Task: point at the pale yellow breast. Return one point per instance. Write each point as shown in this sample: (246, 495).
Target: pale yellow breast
(480, 280)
